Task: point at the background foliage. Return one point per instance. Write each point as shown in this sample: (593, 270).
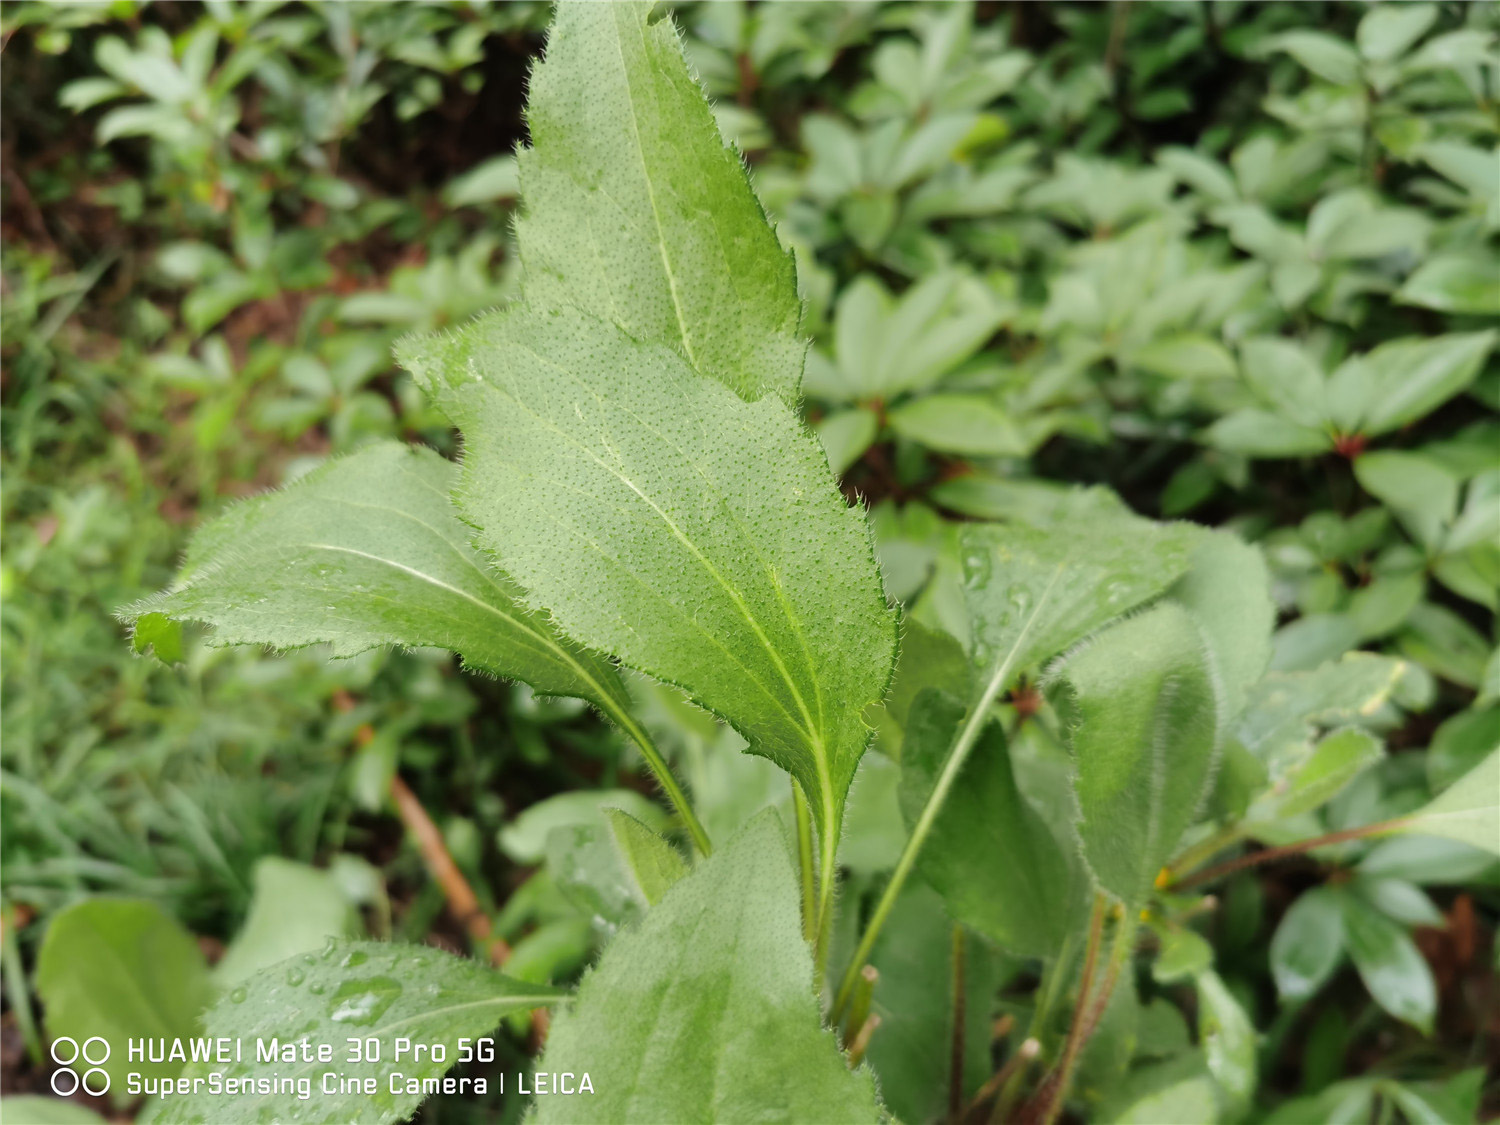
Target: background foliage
(1235, 261)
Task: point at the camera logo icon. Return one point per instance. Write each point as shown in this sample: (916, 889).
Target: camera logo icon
(66, 1052)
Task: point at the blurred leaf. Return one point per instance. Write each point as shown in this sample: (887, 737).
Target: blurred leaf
(958, 423)
(294, 909)
(1467, 811)
(121, 969)
(1308, 944)
(1389, 964)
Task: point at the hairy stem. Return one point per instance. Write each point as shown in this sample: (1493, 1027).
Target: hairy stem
(1229, 867)
(1054, 980)
(663, 774)
(806, 863)
(1049, 1098)
(956, 1046)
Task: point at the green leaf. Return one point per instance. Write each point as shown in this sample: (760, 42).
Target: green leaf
(1178, 1090)
(1393, 970)
(1228, 590)
(1143, 712)
(846, 435)
(1186, 356)
(1454, 283)
(1467, 811)
(367, 551)
(1184, 953)
(33, 1110)
(360, 989)
(1308, 944)
(706, 1010)
(654, 863)
(160, 634)
(121, 969)
(1033, 591)
(1388, 30)
(295, 908)
(993, 854)
(960, 423)
(1405, 379)
(636, 210)
(524, 839)
(662, 519)
(912, 1050)
(1422, 493)
(1260, 433)
(1317, 779)
(1285, 379)
(1228, 1039)
(1328, 57)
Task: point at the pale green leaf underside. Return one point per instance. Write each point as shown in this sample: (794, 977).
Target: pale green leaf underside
(369, 551)
(706, 1010)
(636, 211)
(350, 989)
(1143, 708)
(1468, 810)
(662, 519)
(1034, 590)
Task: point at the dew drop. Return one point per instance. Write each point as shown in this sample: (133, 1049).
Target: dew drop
(238, 996)
(363, 1001)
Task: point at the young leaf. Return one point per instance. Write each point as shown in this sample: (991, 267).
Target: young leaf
(120, 968)
(636, 211)
(706, 1011)
(363, 552)
(994, 856)
(1404, 379)
(654, 863)
(365, 989)
(1467, 811)
(1143, 709)
(1334, 762)
(664, 520)
(1308, 944)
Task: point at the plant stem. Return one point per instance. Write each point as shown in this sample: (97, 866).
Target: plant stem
(1049, 1098)
(1229, 867)
(805, 862)
(1054, 979)
(973, 726)
(663, 774)
(462, 902)
(827, 878)
(1205, 849)
(956, 1051)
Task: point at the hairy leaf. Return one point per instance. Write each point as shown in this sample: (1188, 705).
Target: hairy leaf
(660, 518)
(636, 211)
(1228, 590)
(706, 1011)
(363, 552)
(1034, 590)
(359, 989)
(1143, 709)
